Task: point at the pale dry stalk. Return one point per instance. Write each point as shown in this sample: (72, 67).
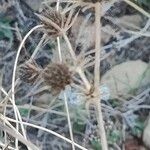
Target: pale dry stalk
(65, 96)
(138, 8)
(97, 76)
(46, 130)
(78, 69)
(16, 111)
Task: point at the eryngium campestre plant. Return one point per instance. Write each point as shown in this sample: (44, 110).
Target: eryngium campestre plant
(56, 23)
(29, 72)
(53, 21)
(57, 76)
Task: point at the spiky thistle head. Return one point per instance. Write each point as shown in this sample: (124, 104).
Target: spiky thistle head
(53, 21)
(57, 76)
(29, 72)
(56, 23)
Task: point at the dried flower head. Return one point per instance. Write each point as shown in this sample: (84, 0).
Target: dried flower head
(57, 76)
(29, 72)
(55, 23)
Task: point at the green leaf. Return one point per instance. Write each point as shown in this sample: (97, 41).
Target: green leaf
(79, 126)
(96, 145)
(5, 32)
(8, 34)
(24, 112)
(1, 34)
(114, 102)
(114, 136)
(138, 128)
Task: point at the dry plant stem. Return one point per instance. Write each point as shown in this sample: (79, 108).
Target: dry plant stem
(16, 111)
(59, 50)
(4, 112)
(97, 45)
(9, 92)
(97, 76)
(137, 8)
(5, 134)
(46, 130)
(16, 117)
(79, 69)
(13, 132)
(62, 114)
(69, 122)
(147, 34)
(38, 46)
(65, 97)
(3, 146)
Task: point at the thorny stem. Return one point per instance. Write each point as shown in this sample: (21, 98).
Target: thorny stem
(79, 69)
(97, 76)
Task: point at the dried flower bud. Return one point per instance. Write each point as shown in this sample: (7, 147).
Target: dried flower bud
(57, 76)
(53, 21)
(29, 72)
(56, 23)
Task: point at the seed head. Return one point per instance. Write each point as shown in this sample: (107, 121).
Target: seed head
(57, 76)
(29, 72)
(53, 21)
(56, 23)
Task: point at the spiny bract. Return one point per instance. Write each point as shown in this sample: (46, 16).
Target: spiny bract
(50, 15)
(29, 72)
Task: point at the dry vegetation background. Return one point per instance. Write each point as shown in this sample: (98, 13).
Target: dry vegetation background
(54, 110)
